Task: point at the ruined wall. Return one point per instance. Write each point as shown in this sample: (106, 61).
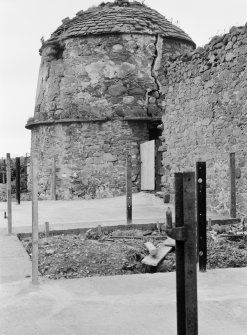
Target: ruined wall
(205, 116)
(89, 87)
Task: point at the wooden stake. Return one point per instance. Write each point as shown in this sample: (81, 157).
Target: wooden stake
(9, 200)
(233, 211)
(17, 180)
(99, 228)
(190, 254)
(47, 229)
(35, 228)
(209, 223)
(201, 214)
(128, 189)
(159, 227)
(169, 218)
(53, 182)
(4, 171)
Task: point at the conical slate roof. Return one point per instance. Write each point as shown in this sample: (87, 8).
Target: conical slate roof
(120, 16)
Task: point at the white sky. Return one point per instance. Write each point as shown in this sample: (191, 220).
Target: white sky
(23, 22)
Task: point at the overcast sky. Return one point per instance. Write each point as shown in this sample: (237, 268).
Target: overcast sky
(24, 22)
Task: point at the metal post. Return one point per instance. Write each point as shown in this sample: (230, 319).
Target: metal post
(233, 212)
(9, 200)
(190, 254)
(179, 222)
(35, 228)
(53, 182)
(201, 214)
(17, 180)
(128, 189)
(185, 235)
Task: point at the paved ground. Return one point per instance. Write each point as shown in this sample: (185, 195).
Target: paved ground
(86, 213)
(124, 305)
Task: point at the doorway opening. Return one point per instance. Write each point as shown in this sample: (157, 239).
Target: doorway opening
(151, 159)
(154, 133)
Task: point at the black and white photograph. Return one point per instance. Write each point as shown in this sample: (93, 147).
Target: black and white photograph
(123, 167)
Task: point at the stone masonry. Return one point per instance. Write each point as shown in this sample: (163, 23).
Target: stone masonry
(205, 116)
(99, 88)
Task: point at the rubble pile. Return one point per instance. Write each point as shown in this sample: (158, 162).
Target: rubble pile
(99, 253)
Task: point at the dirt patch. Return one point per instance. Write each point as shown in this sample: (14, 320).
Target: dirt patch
(121, 252)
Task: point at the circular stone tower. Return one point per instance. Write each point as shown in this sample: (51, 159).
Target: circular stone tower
(99, 95)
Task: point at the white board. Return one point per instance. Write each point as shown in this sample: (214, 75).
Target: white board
(148, 166)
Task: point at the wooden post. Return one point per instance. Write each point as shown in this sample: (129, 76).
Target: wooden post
(53, 181)
(169, 218)
(9, 200)
(233, 213)
(190, 254)
(4, 172)
(99, 228)
(179, 222)
(209, 223)
(128, 189)
(201, 214)
(159, 227)
(35, 228)
(17, 180)
(47, 229)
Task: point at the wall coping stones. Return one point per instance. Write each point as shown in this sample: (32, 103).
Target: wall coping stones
(214, 44)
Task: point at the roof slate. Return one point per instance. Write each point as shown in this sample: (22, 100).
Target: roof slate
(118, 17)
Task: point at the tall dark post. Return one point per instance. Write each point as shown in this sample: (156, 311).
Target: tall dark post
(185, 235)
(233, 212)
(179, 222)
(190, 254)
(9, 200)
(128, 189)
(18, 180)
(201, 214)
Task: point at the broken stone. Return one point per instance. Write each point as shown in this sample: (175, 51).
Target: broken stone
(49, 252)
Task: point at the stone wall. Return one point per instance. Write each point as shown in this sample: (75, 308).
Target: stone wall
(102, 77)
(90, 157)
(95, 97)
(205, 116)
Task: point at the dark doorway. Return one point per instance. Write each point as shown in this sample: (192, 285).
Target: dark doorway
(154, 133)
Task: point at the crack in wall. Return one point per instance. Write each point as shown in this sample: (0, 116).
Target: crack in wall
(152, 96)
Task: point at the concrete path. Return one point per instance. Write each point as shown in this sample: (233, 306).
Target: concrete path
(123, 305)
(15, 263)
(84, 213)
(64, 214)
